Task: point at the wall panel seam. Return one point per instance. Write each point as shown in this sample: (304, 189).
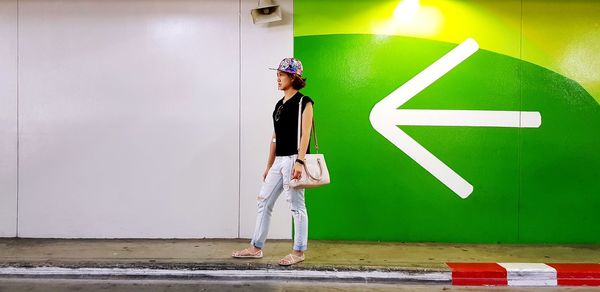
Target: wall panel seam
(239, 117)
(17, 115)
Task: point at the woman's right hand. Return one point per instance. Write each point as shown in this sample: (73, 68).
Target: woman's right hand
(264, 176)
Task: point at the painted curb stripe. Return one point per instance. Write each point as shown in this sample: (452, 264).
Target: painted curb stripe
(525, 274)
(478, 274)
(530, 274)
(577, 274)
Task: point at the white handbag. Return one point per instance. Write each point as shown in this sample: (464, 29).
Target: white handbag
(315, 169)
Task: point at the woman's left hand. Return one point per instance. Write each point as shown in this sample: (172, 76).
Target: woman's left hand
(297, 172)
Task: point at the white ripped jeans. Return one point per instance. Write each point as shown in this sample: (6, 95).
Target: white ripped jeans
(276, 182)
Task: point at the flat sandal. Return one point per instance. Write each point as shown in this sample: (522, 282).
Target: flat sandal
(291, 259)
(246, 254)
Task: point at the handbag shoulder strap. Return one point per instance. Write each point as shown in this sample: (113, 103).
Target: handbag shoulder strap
(314, 130)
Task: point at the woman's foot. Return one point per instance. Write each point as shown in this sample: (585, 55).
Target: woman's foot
(292, 259)
(248, 253)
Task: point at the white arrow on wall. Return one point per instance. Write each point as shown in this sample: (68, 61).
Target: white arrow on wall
(385, 117)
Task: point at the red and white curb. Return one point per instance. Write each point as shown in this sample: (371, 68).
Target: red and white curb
(525, 274)
(463, 274)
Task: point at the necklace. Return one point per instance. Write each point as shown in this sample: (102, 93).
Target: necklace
(278, 113)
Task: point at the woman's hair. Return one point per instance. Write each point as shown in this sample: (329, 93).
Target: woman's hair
(297, 81)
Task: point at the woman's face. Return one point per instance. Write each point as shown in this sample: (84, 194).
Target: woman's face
(283, 81)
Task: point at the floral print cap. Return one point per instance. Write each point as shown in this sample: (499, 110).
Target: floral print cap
(290, 65)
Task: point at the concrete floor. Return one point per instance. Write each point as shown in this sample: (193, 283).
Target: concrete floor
(215, 254)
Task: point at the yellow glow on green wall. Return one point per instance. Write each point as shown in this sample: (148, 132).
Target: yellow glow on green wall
(411, 19)
(562, 36)
(406, 10)
(580, 59)
(443, 20)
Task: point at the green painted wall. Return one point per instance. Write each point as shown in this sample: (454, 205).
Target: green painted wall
(531, 185)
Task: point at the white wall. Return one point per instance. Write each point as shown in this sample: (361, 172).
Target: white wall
(138, 119)
(8, 118)
(263, 47)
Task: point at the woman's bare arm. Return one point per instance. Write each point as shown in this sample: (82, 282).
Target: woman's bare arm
(271, 152)
(307, 117)
(271, 159)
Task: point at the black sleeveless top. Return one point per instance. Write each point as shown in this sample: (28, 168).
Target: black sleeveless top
(285, 122)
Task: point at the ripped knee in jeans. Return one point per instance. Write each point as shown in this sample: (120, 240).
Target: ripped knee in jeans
(298, 212)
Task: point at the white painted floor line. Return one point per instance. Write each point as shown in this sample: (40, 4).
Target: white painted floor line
(248, 274)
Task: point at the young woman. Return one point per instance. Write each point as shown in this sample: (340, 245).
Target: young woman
(285, 163)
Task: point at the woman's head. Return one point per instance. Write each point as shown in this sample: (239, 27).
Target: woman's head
(289, 74)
